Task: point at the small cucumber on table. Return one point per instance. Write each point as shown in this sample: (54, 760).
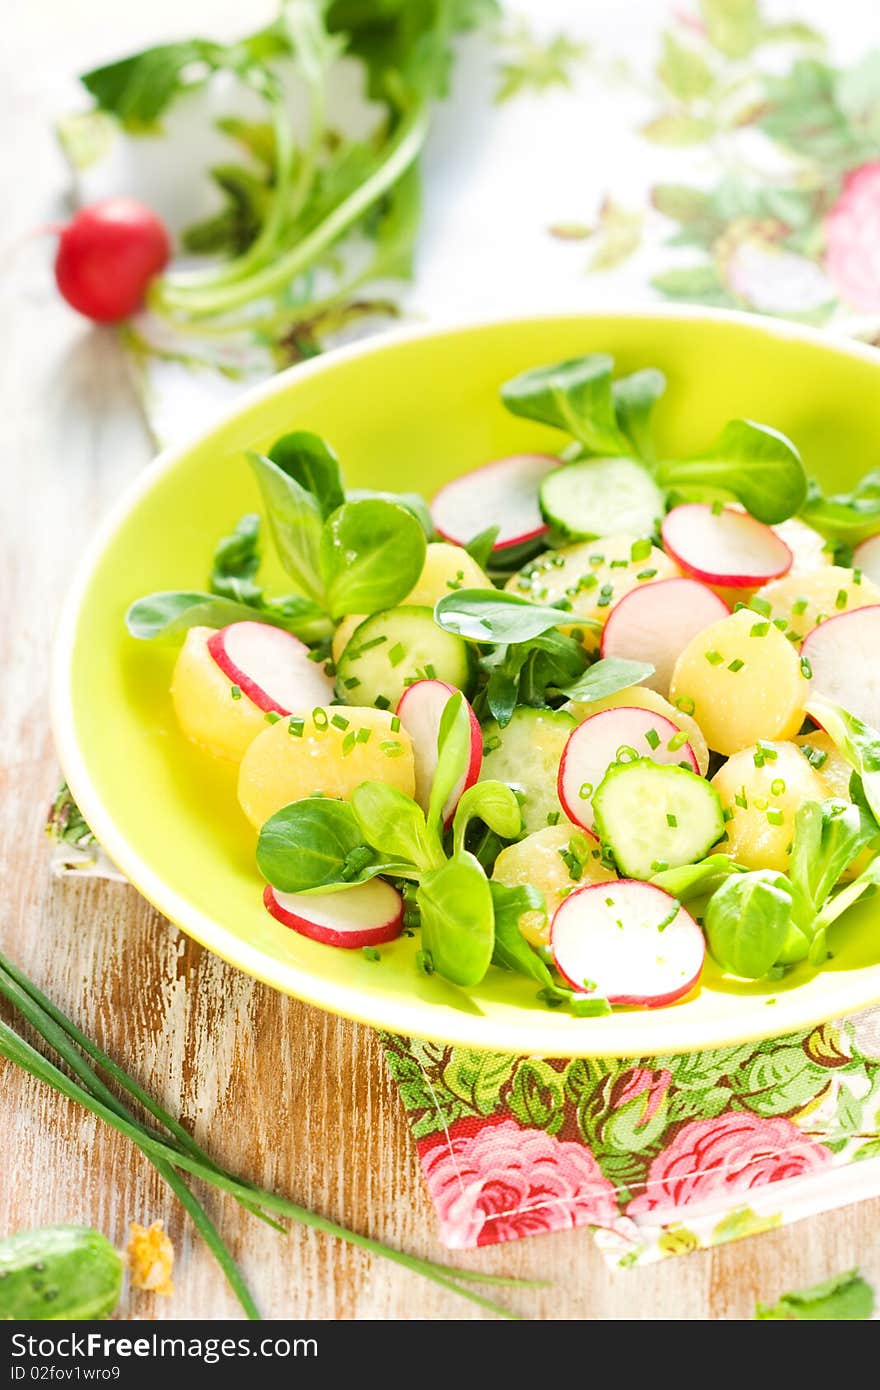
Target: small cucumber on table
(58, 1274)
(655, 817)
(602, 497)
(525, 754)
(391, 650)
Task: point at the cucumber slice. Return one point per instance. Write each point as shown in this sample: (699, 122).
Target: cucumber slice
(654, 818)
(602, 497)
(525, 754)
(391, 650)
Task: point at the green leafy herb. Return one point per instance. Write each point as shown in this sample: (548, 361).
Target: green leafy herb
(849, 517)
(458, 921)
(491, 615)
(495, 804)
(511, 950)
(858, 743)
(846, 1297)
(574, 396)
(308, 846)
(753, 463)
(481, 545)
(236, 561)
(310, 462)
(606, 677)
(371, 553)
(747, 922)
(169, 614)
(634, 399)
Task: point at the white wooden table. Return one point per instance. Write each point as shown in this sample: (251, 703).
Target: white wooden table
(292, 1097)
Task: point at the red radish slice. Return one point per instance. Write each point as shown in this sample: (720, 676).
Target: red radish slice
(844, 661)
(729, 548)
(503, 493)
(620, 734)
(364, 915)
(627, 942)
(420, 710)
(866, 557)
(657, 621)
(271, 667)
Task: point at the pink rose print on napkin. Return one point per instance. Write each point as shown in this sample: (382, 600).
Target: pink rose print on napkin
(493, 1181)
(734, 1153)
(852, 239)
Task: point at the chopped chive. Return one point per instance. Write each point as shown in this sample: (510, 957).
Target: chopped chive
(523, 585)
(652, 738)
(585, 791)
(840, 600)
(793, 637)
(329, 668)
(817, 757)
(760, 803)
(391, 748)
(370, 953)
(367, 646)
(587, 581)
(685, 764)
(396, 654)
(235, 692)
(646, 574)
(606, 593)
(557, 561)
(609, 902)
(741, 800)
(295, 726)
(431, 672)
(395, 723)
(564, 604)
(768, 750)
(781, 623)
(348, 743)
(857, 576)
(319, 717)
(339, 721)
(777, 786)
(363, 735)
(316, 655)
(774, 816)
(806, 668)
(382, 702)
(626, 754)
(714, 658)
(760, 605)
(597, 560)
(553, 817)
(758, 757)
(717, 508)
(641, 549)
(685, 704)
(491, 744)
(669, 918)
(799, 605)
(727, 814)
(736, 664)
(351, 683)
(677, 741)
(659, 866)
(271, 716)
(671, 820)
(618, 564)
(759, 629)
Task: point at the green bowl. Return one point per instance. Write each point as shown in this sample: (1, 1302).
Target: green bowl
(410, 411)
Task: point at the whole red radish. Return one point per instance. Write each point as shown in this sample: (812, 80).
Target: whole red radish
(107, 256)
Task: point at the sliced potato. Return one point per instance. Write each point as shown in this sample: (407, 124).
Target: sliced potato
(809, 550)
(741, 680)
(640, 697)
(206, 709)
(761, 789)
(806, 600)
(447, 567)
(592, 575)
(282, 766)
(538, 860)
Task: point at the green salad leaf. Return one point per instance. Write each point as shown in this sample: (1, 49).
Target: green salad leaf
(236, 561)
(495, 804)
(846, 1297)
(747, 922)
(397, 826)
(634, 399)
(491, 615)
(312, 845)
(296, 524)
(574, 396)
(458, 920)
(511, 950)
(757, 465)
(370, 555)
(606, 677)
(858, 743)
(480, 546)
(310, 462)
(849, 517)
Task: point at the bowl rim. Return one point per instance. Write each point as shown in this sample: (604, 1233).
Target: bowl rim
(409, 1017)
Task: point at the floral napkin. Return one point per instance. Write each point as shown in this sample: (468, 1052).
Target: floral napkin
(725, 152)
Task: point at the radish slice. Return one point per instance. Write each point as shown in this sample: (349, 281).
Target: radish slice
(503, 493)
(866, 557)
(729, 548)
(365, 915)
(620, 734)
(627, 942)
(844, 660)
(656, 621)
(271, 667)
(420, 710)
